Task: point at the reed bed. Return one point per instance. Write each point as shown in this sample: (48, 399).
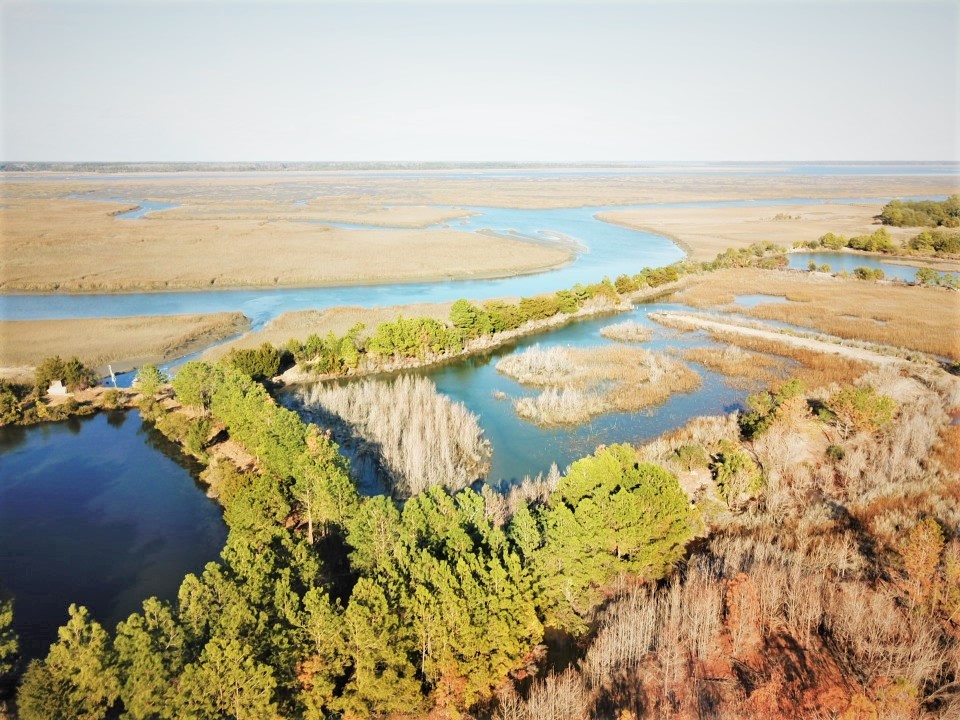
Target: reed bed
(741, 365)
(416, 436)
(627, 331)
(918, 318)
(816, 369)
(581, 383)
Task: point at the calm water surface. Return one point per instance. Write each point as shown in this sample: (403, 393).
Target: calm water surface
(847, 262)
(100, 511)
(521, 448)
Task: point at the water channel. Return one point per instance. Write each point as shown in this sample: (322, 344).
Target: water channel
(102, 511)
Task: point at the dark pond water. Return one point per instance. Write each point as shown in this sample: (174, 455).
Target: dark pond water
(100, 511)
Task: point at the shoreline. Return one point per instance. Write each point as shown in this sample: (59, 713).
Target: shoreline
(487, 343)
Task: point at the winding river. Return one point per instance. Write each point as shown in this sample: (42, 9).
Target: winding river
(101, 511)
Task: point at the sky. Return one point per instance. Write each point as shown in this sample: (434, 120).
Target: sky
(497, 81)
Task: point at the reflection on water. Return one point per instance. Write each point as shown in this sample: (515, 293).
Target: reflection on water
(521, 448)
(99, 511)
(847, 262)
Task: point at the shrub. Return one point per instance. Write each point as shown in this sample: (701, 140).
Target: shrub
(149, 380)
(878, 241)
(836, 452)
(691, 457)
(833, 242)
(73, 373)
(10, 410)
(865, 273)
(415, 338)
(765, 406)
(260, 364)
(111, 399)
(861, 409)
(470, 320)
(737, 476)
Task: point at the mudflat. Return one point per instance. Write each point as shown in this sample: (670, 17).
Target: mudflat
(124, 343)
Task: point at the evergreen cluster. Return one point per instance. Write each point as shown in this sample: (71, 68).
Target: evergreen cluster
(865, 273)
(325, 602)
(929, 276)
(260, 364)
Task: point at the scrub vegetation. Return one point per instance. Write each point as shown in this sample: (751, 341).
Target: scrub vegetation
(919, 213)
(629, 331)
(839, 603)
(583, 382)
(936, 243)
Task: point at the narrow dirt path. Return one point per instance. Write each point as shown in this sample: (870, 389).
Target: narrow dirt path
(684, 321)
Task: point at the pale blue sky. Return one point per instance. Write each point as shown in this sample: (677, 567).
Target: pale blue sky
(854, 80)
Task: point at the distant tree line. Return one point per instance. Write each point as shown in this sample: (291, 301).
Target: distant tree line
(929, 242)
(922, 213)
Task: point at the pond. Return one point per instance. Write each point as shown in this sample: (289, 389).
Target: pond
(100, 511)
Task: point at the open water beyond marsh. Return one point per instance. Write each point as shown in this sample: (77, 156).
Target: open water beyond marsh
(102, 511)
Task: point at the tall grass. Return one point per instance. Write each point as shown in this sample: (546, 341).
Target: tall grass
(738, 363)
(416, 436)
(627, 331)
(584, 382)
(918, 318)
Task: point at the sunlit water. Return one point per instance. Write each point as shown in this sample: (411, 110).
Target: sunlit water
(848, 262)
(522, 448)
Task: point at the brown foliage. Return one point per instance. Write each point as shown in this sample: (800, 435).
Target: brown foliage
(918, 318)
